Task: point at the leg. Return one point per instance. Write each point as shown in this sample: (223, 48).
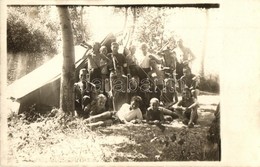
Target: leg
(78, 108)
(112, 91)
(194, 115)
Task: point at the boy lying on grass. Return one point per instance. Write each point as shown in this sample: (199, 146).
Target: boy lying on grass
(98, 115)
(131, 113)
(156, 114)
(187, 107)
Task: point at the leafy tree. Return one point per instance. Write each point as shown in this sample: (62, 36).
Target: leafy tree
(32, 37)
(150, 27)
(80, 27)
(29, 30)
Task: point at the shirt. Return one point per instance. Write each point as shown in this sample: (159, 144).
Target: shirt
(94, 109)
(125, 113)
(118, 61)
(155, 114)
(131, 60)
(186, 102)
(188, 81)
(81, 89)
(145, 62)
(169, 60)
(93, 61)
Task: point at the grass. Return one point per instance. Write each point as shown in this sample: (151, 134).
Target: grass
(51, 138)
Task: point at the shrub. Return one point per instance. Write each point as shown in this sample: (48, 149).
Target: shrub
(210, 84)
(30, 34)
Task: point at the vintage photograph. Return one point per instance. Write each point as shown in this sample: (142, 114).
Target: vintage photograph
(113, 83)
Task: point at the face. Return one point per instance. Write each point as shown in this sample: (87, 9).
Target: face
(180, 43)
(154, 105)
(134, 104)
(104, 51)
(82, 76)
(186, 72)
(186, 95)
(114, 48)
(144, 49)
(132, 50)
(101, 102)
(96, 47)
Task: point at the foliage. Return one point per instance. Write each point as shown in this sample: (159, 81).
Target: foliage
(30, 30)
(209, 83)
(150, 28)
(80, 27)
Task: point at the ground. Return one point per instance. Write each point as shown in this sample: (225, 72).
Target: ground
(50, 139)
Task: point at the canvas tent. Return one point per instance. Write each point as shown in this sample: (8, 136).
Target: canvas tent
(41, 87)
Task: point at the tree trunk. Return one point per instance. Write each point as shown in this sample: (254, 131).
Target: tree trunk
(68, 67)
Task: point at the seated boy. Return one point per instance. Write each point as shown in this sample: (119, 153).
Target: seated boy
(156, 114)
(84, 91)
(131, 112)
(188, 108)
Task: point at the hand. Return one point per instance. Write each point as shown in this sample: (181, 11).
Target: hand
(138, 121)
(186, 62)
(156, 122)
(110, 94)
(133, 121)
(184, 108)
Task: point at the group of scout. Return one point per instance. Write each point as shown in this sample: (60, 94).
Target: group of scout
(99, 100)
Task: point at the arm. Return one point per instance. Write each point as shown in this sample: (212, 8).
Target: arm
(178, 109)
(78, 95)
(148, 115)
(87, 54)
(124, 121)
(105, 58)
(195, 81)
(111, 65)
(195, 104)
(178, 106)
(191, 55)
(174, 60)
(158, 61)
(128, 63)
(161, 116)
(175, 100)
(125, 66)
(165, 111)
(139, 114)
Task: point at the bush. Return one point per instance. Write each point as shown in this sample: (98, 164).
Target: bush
(209, 84)
(30, 34)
